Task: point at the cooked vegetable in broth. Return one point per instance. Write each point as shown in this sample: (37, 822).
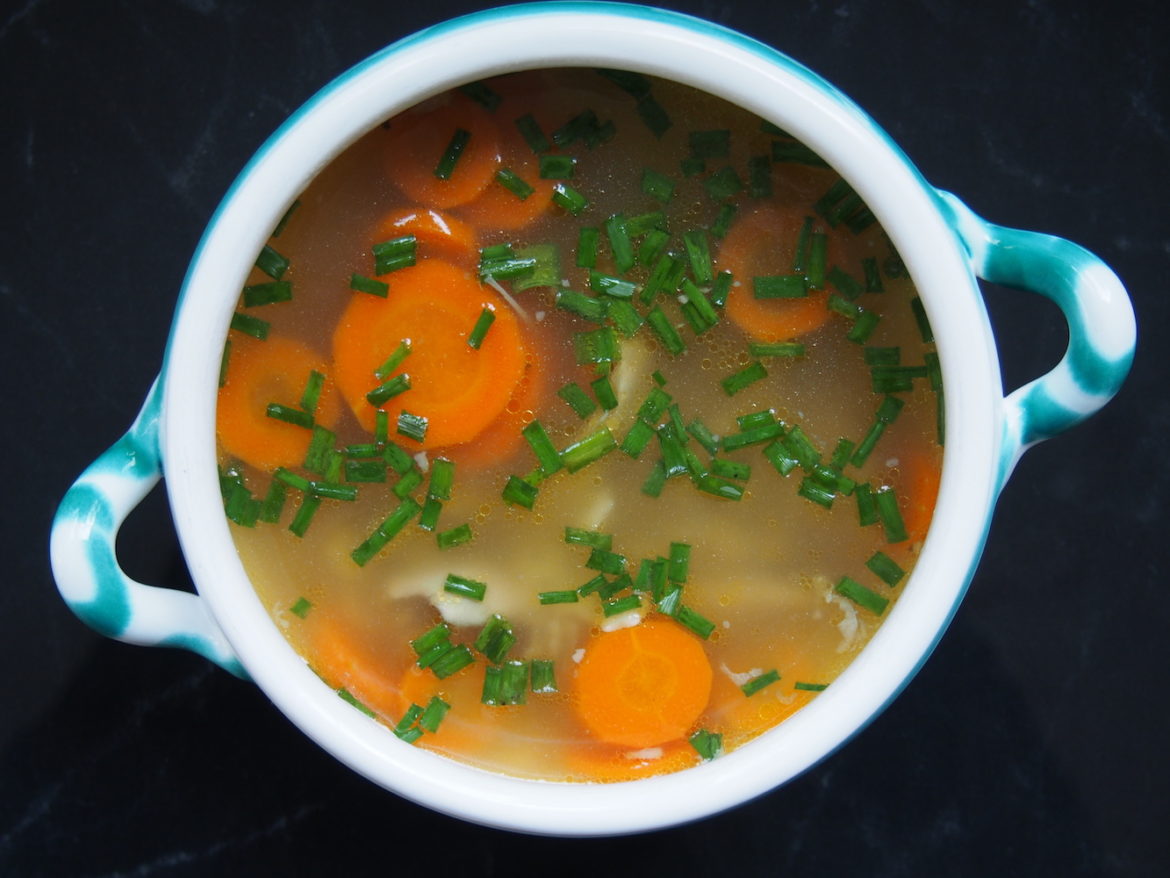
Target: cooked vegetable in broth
(579, 425)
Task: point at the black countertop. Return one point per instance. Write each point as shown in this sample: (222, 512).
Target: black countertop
(1032, 743)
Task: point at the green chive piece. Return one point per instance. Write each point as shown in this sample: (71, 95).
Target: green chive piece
(568, 198)
(678, 564)
(656, 481)
(542, 446)
(745, 377)
(605, 561)
(889, 356)
(442, 478)
(624, 316)
(272, 263)
(873, 277)
(755, 684)
(670, 599)
(921, 319)
(698, 250)
(612, 286)
(289, 415)
(731, 469)
(381, 425)
(500, 261)
(397, 458)
(433, 714)
(514, 183)
(351, 699)
(802, 448)
(810, 687)
(793, 349)
(846, 283)
(862, 596)
(304, 514)
(564, 596)
(885, 568)
(867, 513)
(587, 240)
(431, 510)
(817, 250)
(483, 95)
(301, 608)
(541, 675)
(450, 157)
(386, 531)
(590, 308)
(406, 485)
(652, 113)
(723, 183)
(530, 130)
(619, 242)
(299, 483)
(250, 325)
(582, 537)
(495, 638)
(723, 219)
(394, 254)
(469, 588)
(636, 440)
(631, 83)
(760, 176)
(591, 448)
(658, 186)
(518, 492)
(593, 585)
(703, 436)
(362, 284)
(412, 426)
(578, 400)
(887, 507)
(652, 247)
(456, 536)
(292, 208)
(603, 390)
(817, 492)
(273, 504)
(621, 605)
(597, 346)
(863, 327)
(400, 383)
(312, 392)
(720, 288)
(779, 286)
(557, 167)
(454, 659)
(707, 744)
(267, 293)
(803, 246)
(482, 324)
(665, 331)
(365, 470)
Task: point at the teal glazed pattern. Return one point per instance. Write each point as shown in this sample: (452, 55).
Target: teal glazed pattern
(1100, 319)
(947, 248)
(82, 548)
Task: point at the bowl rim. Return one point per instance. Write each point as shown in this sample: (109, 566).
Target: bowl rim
(716, 60)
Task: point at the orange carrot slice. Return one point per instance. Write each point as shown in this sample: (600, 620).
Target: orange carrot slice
(643, 686)
(437, 234)
(263, 372)
(418, 140)
(764, 243)
(918, 495)
(604, 763)
(344, 663)
(457, 388)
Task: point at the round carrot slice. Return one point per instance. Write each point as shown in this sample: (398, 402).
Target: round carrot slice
(919, 492)
(605, 763)
(263, 372)
(763, 243)
(643, 686)
(420, 138)
(437, 233)
(457, 388)
(345, 663)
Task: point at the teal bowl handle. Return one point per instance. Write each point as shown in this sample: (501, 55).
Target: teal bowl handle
(82, 548)
(1101, 327)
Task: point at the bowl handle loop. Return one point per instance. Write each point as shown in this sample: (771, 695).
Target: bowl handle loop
(82, 550)
(1101, 326)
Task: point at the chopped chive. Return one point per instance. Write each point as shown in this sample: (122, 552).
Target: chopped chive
(542, 446)
(433, 714)
(442, 478)
(654, 406)
(802, 448)
(731, 469)
(863, 327)
(394, 254)
(365, 470)
(707, 744)
(587, 240)
(557, 167)
(563, 596)
(891, 518)
(386, 531)
(760, 176)
(292, 208)
(570, 199)
(612, 286)
(745, 377)
(431, 510)
(593, 539)
(843, 306)
(406, 485)
(846, 283)
(593, 585)
(412, 426)
(841, 454)
(873, 277)
(514, 183)
(397, 458)
(304, 514)
(889, 356)
(631, 83)
(669, 599)
(720, 487)
(619, 242)
(698, 250)
(691, 165)
(638, 437)
(666, 332)
(665, 276)
(862, 596)
(312, 392)
(267, 293)
(289, 415)
(779, 286)
(895, 379)
(456, 536)
(713, 144)
(542, 680)
(464, 587)
(652, 113)
(656, 481)
(482, 324)
(506, 684)
(483, 95)
(817, 250)
(867, 513)
(723, 219)
(921, 319)
(577, 399)
(495, 638)
(584, 126)
(272, 263)
(501, 261)
(250, 325)
(653, 244)
(678, 564)
(301, 608)
(606, 561)
(720, 288)
(624, 317)
(351, 699)
(810, 687)
(885, 568)
(582, 305)
(703, 436)
(803, 246)
(658, 186)
(776, 349)
(381, 425)
(518, 492)
(299, 483)
(588, 450)
(781, 458)
(755, 684)
(530, 130)
(621, 605)
(273, 503)
(450, 157)
(454, 659)
(603, 390)
(812, 489)
(240, 506)
(334, 491)
(723, 183)
(693, 620)
(596, 346)
(400, 383)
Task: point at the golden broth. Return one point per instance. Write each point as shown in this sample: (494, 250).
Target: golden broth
(763, 583)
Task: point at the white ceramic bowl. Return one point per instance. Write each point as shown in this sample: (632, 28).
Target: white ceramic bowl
(944, 246)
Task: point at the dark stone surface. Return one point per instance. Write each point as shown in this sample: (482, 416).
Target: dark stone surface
(1033, 742)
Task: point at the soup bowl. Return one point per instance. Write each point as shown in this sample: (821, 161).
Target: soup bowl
(945, 247)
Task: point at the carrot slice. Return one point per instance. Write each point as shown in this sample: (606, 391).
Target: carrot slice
(437, 233)
(742, 717)
(418, 140)
(341, 660)
(466, 727)
(603, 763)
(918, 495)
(764, 243)
(643, 686)
(457, 388)
(263, 372)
